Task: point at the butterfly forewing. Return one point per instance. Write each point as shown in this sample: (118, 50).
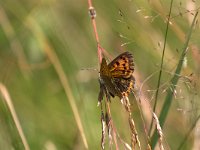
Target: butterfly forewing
(122, 66)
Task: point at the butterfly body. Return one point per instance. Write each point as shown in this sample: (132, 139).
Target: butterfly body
(116, 78)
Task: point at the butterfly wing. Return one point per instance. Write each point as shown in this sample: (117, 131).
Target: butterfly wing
(122, 66)
(117, 77)
(124, 86)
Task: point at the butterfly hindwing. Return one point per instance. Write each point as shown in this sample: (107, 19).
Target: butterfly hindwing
(124, 86)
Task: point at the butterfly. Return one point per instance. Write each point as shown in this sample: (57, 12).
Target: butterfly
(116, 78)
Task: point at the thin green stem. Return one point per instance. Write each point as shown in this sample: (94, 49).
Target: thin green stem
(161, 65)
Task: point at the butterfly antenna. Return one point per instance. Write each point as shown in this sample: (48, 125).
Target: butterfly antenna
(90, 69)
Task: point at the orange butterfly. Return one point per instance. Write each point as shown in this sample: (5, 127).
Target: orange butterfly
(116, 78)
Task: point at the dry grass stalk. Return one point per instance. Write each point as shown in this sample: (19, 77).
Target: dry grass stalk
(159, 129)
(109, 124)
(134, 136)
(11, 108)
(103, 132)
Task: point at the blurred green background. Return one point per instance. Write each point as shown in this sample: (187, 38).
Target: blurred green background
(37, 36)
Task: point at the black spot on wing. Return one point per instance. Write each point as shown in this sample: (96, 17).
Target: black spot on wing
(117, 63)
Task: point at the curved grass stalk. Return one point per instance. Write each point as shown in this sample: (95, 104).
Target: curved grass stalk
(35, 28)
